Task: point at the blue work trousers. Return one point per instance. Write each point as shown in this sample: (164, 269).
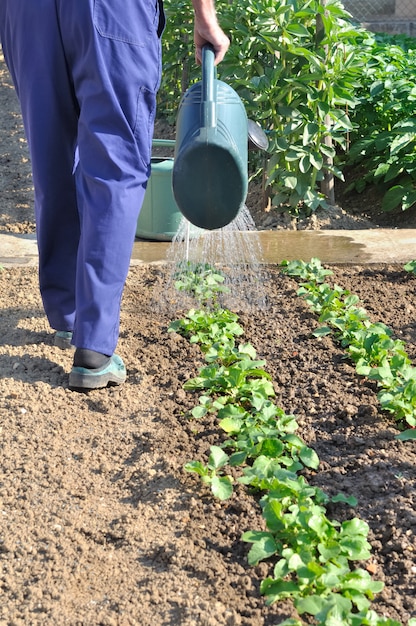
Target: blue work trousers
(86, 74)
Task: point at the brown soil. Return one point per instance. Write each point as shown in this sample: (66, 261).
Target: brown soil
(100, 524)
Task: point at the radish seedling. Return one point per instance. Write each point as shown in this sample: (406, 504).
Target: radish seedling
(371, 346)
(316, 555)
(221, 485)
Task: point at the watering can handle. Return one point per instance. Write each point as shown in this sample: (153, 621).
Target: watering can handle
(208, 87)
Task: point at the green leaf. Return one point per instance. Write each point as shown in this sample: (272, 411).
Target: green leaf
(410, 267)
(298, 29)
(360, 580)
(409, 200)
(309, 457)
(222, 487)
(316, 160)
(401, 141)
(322, 331)
(329, 550)
(319, 524)
(305, 163)
(290, 181)
(264, 545)
(359, 599)
(311, 605)
(193, 384)
(357, 549)
(342, 119)
(355, 527)
(198, 412)
(232, 410)
(340, 497)
(217, 458)
(231, 424)
(309, 132)
(197, 467)
(407, 435)
(247, 349)
(376, 88)
(238, 458)
(331, 609)
(276, 590)
(393, 197)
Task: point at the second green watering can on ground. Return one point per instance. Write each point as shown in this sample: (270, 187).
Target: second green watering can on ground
(210, 178)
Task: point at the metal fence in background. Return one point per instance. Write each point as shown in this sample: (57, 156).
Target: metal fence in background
(393, 16)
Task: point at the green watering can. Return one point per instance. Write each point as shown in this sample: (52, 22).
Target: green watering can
(210, 177)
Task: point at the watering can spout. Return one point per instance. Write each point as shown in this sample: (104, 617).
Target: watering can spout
(210, 178)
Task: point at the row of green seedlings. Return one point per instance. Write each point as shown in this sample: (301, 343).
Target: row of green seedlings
(314, 555)
(377, 355)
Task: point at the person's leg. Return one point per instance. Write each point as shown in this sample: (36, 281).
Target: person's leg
(32, 45)
(86, 73)
(113, 52)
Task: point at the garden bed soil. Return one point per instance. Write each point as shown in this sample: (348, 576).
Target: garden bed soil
(100, 524)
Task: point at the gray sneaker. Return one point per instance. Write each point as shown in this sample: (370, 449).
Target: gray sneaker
(111, 373)
(62, 340)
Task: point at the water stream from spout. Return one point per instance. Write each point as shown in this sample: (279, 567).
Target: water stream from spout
(234, 249)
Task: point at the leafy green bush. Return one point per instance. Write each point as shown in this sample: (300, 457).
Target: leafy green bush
(296, 65)
(179, 68)
(384, 141)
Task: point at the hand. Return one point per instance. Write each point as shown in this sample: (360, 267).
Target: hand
(207, 30)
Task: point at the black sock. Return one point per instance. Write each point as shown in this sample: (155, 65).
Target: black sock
(89, 358)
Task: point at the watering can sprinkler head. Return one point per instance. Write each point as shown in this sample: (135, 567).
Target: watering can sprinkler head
(257, 138)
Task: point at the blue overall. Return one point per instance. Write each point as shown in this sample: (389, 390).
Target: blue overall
(86, 73)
